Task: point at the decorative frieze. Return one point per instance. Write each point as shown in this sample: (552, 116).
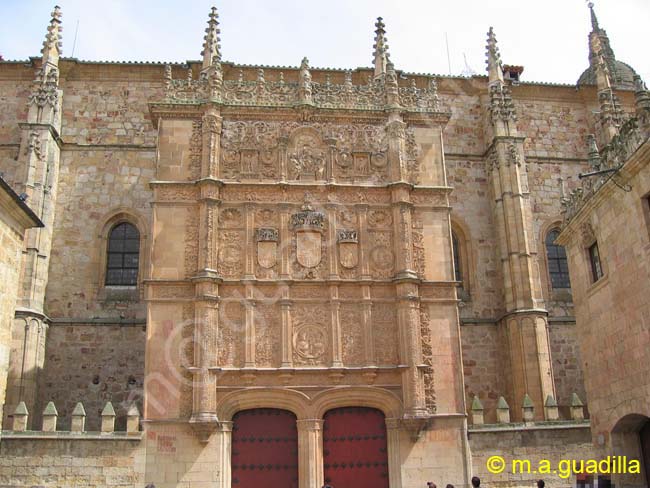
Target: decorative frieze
(372, 95)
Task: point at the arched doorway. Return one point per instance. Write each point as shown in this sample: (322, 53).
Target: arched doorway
(264, 449)
(354, 448)
(644, 435)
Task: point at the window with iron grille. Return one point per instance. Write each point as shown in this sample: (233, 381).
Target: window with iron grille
(594, 258)
(558, 267)
(122, 257)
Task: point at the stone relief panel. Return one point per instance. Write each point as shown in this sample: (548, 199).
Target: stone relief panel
(230, 256)
(384, 324)
(427, 359)
(417, 233)
(230, 333)
(249, 150)
(311, 151)
(191, 243)
(380, 237)
(352, 341)
(268, 332)
(311, 335)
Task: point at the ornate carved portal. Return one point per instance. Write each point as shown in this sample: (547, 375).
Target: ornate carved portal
(354, 448)
(264, 449)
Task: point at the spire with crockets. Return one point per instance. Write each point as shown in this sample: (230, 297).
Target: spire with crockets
(494, 67)
(52, 44)
(211, 48)
(621, 75)
(381, 48)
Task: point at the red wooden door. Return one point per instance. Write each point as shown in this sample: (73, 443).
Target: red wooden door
(354, 448)
(264, 449)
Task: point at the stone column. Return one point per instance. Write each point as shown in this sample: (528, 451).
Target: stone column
(524, 321)
(335, 307)
(224, 441)
(394, 455)
(369, 343)
(287, 334)
(211, 133)
(310, 453)
(364, 249)
(408, 319)
(285, 241)
(37, 176)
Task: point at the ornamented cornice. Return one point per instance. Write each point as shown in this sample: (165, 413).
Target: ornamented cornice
(612, 158)
(373, 95)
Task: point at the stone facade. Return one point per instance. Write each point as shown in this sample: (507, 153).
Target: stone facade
(15, 218)
(296, 231)
(611, 213)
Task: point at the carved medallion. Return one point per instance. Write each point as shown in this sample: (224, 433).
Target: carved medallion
(382, 258)
(310, 343)
(267, 244)
(348, 248)
(308, 225)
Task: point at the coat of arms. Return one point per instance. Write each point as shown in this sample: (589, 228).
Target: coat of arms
(308, 225)
(348, 248)
(267, 244)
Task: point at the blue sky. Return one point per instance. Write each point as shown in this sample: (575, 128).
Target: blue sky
(549, 38)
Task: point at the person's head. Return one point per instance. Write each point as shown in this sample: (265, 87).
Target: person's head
(431, 484)
(476, 481)
(540, 484)
(449, 485)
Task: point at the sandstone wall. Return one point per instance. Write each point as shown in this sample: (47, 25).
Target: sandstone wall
(533, 444)
(483, 365)
(53, 463)
(93, 364)
(567, 364)
(11, 245)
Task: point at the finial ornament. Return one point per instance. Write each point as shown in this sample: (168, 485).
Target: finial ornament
(494, 68)
(211, 48)
(594, 19)
(380, 47)
(52, 44)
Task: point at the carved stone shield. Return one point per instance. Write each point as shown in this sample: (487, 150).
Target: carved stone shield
(267, 245)
(308, 248)
(348, 248)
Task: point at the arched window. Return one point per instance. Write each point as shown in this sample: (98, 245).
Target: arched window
(558, 268)
(458, 272)
(122, 256)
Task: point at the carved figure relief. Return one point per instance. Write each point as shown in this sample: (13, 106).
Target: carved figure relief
(348, 241)
(307, 155)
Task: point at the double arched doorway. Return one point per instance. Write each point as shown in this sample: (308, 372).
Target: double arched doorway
(265, 448)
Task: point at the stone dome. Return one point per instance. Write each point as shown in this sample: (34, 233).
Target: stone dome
(621, 74)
